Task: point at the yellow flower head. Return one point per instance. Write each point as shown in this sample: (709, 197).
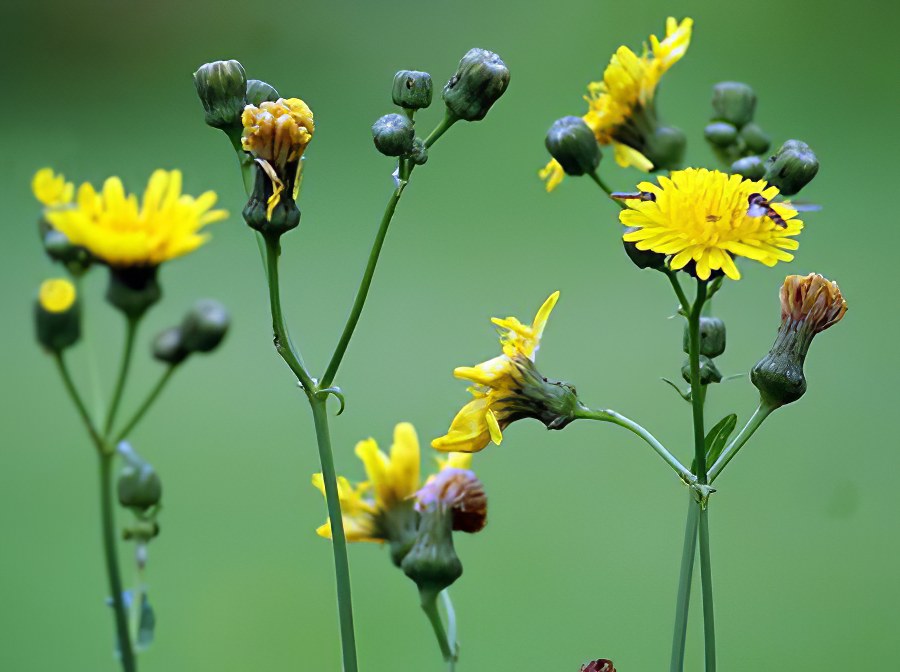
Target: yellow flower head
(506, 388)
(52, 190)
(56, 295)
(117, 230)
(277, 132)
(707, 217)
(620, 106)
(381, 508)
(812, 299)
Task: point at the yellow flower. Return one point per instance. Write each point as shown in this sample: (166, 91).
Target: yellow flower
(56, 295)
(507, 388)
(620, 107)
(381, 508)
(116, 230)
(52, 190)
(704, 216)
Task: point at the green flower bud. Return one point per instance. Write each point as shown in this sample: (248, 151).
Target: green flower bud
(222, 87)
(259, 92)
(57, 315)
(394, 135)
(751, 167)
(432, 561)
(133, 289)
(708, 372)
(419, 153)
(272, 220)
(74, 257)
(721, 134)
(139, 486)
(572, 143)
(168, 347)
(756, 140)
(734, 102)
(412, 89)
(204, 326)
(665, 147)
(792, 167)
(643, 258)
(712, 337)
(480, 79)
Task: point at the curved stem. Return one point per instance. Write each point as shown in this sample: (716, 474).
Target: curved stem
(759, 415)
(126, 650)
(709, 621)
(338, 541)
(440, 129)
(131, 325)
(607, 415)
(685, 578)
(148, 402)
(429, 606)
(363, 291)
(595, 176)
(78, 401)
(679, 292)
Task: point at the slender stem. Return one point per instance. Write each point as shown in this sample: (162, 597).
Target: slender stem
(78, 401)
(759, 415)
(363, 291)
(605, 187)
(126, 650)
(685, 578)
(607, 415)
(148, 402)
(709, 621)
(440, 129)
(282, 340)
(451, 627)
(338, 541)
(429, 606)
(131, 325)
(679, 292)
(244, 159)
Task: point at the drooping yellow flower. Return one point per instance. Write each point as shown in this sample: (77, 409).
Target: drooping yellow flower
(381, 508)
(51, 189)
(115, 229)
(620, 107)
(507, 388)
(704, 216)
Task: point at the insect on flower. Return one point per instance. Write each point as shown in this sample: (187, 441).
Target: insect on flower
(637, 195)
(760, 206)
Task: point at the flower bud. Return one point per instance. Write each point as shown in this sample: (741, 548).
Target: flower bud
(74, 257)
(204, 326)
(642, 258)
(809, 305)
(412, 89)
(133, 289)
(751, 167)
(665, 147)
(267, 212)
(572, 143)
(259, 92)
(419, 152)
(734, 102)
(394, 134)
(709, 374)
(756, 140)
(480, 79)
(168, 347)
(57, 315)
(721, 134)
(792, 167)
(712, 337)
(601, 665)
(222, 87)
(462, 492)
(139, 486)
(432, 561)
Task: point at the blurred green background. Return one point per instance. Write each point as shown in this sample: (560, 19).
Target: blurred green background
(580, 558)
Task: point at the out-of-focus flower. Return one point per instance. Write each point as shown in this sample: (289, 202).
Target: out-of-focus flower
(51, 189)
(57, 316)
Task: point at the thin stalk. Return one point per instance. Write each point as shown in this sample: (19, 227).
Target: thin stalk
(685, 579)
(709, 621)
(148, 402)
(759, 415)
(605, 187)
(126, 650)
(338, 541)
(131, 325)
(245, 160)
(440, 129)
(451, 626)
(429, 606)
(679, 292)
(78, 401)
(607, 415)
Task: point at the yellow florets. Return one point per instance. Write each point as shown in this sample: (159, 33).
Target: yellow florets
(277, 132)
(57, 295)
(50, 189)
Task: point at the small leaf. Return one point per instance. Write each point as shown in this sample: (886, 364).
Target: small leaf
(146, 624)
(684, 395)
(718, 437)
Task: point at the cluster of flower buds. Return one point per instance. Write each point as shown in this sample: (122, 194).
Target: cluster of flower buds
(201, 330)
(225, 91)
(712, 344)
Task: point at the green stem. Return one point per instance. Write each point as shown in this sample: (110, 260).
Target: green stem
(282, 340)
(685, 577)
(79, 402)
(148, 402)
(679, 292)
(363, 291)
(451, 627)
(429, 606)
(607, 415)
(131, 325)
(126, 651)
(338, 541)
(605, 187)
(709, 622)
(440, 129)
(759, 415)
(244, 159)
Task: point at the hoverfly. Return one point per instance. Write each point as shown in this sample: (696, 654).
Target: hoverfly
(759, 206)
(638, 195)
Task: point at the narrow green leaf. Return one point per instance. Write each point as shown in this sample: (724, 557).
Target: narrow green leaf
(718, 437)
(684, 395)
(147, 624)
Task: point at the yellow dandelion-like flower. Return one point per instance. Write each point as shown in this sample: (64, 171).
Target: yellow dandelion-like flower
(57, 295)
(621, 109)
(51, 189)
(122, 233)
(706, 217)
(506, 388)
